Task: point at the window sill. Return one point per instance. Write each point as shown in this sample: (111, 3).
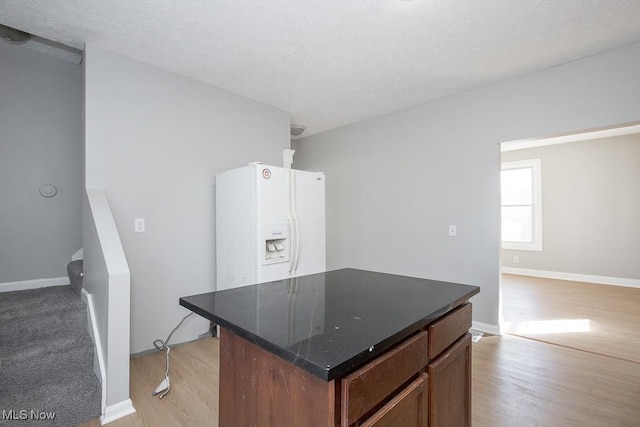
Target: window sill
(515, 246)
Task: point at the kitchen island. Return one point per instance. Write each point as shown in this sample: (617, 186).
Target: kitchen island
(343, 348)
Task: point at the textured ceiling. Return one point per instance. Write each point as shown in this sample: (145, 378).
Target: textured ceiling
(334, 62)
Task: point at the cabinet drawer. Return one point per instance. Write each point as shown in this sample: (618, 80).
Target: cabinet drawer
(447, 330)
(365, 388)
(407, 409)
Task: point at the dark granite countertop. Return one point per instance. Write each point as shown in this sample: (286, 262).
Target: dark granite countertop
(330, 323)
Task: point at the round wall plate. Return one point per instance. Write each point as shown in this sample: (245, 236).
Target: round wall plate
(48, 190)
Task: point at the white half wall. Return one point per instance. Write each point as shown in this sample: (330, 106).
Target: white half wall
(396, 182)
(154, 141)
(107, 280)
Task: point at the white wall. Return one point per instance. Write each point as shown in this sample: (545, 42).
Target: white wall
(107, 280)
(590, 208)
(40, 143)
(396, 182)
(154, 141)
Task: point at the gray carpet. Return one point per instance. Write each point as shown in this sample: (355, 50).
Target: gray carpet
(46, 359)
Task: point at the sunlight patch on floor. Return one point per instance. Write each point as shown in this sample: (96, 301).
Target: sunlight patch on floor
(544, 327)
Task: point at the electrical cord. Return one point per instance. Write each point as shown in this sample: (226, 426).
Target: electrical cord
(163, 388)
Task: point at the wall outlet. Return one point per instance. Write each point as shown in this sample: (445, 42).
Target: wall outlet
(138, 225)
(453, 230)
(516, 260)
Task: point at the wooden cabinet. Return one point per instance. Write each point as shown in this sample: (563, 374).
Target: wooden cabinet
(436, 365)
(450, 386)
(423, 381)
(259, 389)
(448, 329)
(450, 369)
(368, 388)
(407, 409)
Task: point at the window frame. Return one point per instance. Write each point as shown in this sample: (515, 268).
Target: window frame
(536, 179)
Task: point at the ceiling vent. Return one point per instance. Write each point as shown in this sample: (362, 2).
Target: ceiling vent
(41, 45)
(13, 36)
(296, 130)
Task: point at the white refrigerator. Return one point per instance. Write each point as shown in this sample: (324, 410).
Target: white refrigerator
(270, 225)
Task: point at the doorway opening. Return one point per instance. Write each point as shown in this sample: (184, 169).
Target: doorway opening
(570, 229)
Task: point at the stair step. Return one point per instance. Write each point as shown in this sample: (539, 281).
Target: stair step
(57, 326)
(47, 355)
(57, 396)
(37, 362)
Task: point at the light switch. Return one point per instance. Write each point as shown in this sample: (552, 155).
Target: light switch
(453, 230)
(138, 225)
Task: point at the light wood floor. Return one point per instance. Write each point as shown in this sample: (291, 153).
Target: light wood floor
(193, 399)
(522, 382)
(516, 381)
(598, 318)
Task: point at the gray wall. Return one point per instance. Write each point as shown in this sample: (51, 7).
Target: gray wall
(40, 143)
(154, 141)
(591, 208)
(396, 182)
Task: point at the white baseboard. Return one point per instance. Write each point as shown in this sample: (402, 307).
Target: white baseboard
(117, 411)
(33, 284)
(98, 360)
(588, 278)
(486, 327)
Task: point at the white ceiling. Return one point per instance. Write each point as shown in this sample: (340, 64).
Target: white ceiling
(335, 62)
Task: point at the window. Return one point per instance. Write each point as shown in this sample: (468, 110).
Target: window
(521, 205)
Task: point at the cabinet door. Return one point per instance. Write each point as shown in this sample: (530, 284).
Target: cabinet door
(407, 409)
(365, 389)
(450, 386)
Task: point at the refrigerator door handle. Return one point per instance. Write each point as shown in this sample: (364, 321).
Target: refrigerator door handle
(293, 245)
(293, 221)
(297, 243)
